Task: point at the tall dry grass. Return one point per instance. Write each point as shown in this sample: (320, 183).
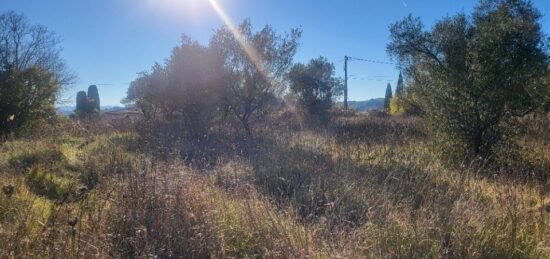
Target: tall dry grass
(366, 187)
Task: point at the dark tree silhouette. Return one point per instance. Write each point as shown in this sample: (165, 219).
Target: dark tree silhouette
(387, 99)
(81, 102)
(400, 87)
(93, 96)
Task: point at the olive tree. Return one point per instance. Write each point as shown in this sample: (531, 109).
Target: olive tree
(472, 75)
(316, 87)
(256, 63)
(181, 99)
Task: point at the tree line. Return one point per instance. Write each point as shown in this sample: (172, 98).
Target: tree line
(236, 81)
(471, 76)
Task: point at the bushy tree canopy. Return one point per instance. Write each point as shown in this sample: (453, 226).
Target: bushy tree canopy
(236, 78)
(473, 74)
(186, 91)
(316, 87)
(32, 74)
(256, 63)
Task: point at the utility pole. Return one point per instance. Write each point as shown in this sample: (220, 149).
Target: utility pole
(346, 82)
(346, 59)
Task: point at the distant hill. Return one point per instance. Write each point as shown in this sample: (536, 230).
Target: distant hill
(68, 110)
(65, 110)
(361, 106)
(367, 105)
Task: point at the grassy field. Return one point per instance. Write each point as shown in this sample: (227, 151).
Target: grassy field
(368, 187)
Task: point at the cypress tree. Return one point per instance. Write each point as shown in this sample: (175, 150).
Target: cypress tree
(388, 97)
(93, 95)
(81, 102)
(399, 87)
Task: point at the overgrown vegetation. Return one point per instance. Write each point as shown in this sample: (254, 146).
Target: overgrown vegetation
(32, 74)
(218, 166)
(372, 188)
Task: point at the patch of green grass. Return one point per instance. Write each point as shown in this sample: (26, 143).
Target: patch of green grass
(28, 158)
(54, 186)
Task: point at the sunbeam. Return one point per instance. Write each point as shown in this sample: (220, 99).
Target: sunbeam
(250, 51)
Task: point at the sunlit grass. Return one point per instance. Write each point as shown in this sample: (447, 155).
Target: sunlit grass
(306, 194)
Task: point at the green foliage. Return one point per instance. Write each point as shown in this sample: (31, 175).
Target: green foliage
(257, 63)
(26, 98)
(49, 184)
(47, 156)
(473, 76)
(201, 90)
(546, 95)
(405, 104)
(33, 76)
(183, 99)
(316, 88)
(396, 106)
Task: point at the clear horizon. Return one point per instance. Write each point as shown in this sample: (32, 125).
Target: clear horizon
(108, 42)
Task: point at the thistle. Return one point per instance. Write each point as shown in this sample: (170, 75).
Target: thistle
(8, 190)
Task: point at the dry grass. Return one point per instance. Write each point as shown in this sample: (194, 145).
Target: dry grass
(369, 187)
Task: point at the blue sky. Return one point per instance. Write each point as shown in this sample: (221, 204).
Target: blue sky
(107, 42)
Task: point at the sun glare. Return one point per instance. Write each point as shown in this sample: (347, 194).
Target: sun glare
(193, 9)
(196, 10)
(250, 51)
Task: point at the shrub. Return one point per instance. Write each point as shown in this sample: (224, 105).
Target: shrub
(29, 158)
(396, 106)
(50, 185)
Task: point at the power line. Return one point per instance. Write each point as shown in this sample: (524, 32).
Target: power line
(370, 61)
(346, 59)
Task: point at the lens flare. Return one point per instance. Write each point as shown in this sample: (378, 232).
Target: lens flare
(250, 51)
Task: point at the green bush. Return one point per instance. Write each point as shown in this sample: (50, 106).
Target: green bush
(49, 184)
(396, 106)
